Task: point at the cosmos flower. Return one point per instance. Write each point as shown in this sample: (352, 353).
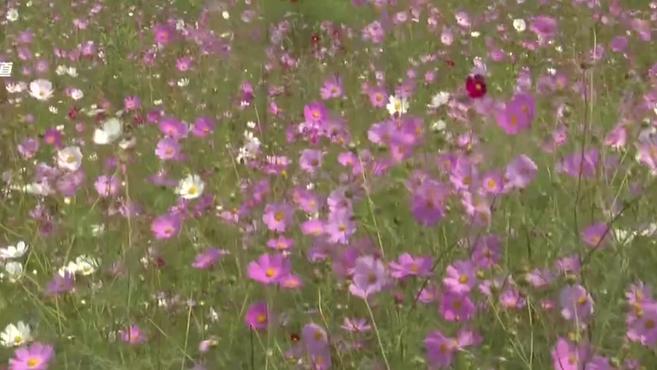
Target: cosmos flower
(41, 89)
(269, 268)
(36, 356)
(475, 85)
(190, 187)
(13, 251)
(16, 335)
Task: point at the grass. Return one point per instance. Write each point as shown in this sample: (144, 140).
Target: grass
(536, 225)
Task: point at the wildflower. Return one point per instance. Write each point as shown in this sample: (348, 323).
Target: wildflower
(13, 252)
(475, 85)
(107, 186)
(166, 226)
(519, 24)
(257, 316)
(397, 105)
(16, 335)
(408, 265)
(460, 277)
(520, 172)
(268, 268)
(518, 114)
(277, 216)
(69, 158)
(207, 258)
(110, 131)
(576, 303)
(438, 100)
(569, 356)
(191, 187)
(41, 89)
(594, 235)
(369, 277)
(36, 356)
(14, 271)
(132, 335)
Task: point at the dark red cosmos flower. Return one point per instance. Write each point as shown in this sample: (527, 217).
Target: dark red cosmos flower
(476, 86)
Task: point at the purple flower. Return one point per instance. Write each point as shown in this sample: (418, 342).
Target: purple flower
(407, 265)
(207, 258)
(36, 356)
(167, 149)
(520, 172)
(107, 186)
(518, 114)
(456, 307)
(203, 126)
(569, 356)
(332, 88)
(166, 226)
(277, 216)
(576, 303)
(257, 316)
(461, 277)
(269, 268)
(369, 277)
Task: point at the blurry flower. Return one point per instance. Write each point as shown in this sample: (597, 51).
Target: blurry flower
(34, 357)
(438, 100)
(109, 131)
(69, 158)
(257, 316)
(133, 335)
(12, 252)
(475, 85)
(207, 258)
(269, 268)
(396, 105)
(12, 15)
(191, 187)
(519, 24)
(369, 277)
(41, 89)
(14, 270)
(16, 335)
(166, 226)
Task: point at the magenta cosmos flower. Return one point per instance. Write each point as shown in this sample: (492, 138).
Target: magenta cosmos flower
(517, 114)
(461, 277)
(207, 258)
(408, 265)
(475, 85)
(369, 277)
(257, 316)
(520, 172)
(269, 268)
(576, 303)
(277, 216)
(595, 234)
(107, 186)
(643, 329)
(133, 335)
(33, 357)
(569, 356)
(166, 226)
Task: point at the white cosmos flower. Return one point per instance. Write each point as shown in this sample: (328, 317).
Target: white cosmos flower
(439, 100)
(70, 268)
(38, 188)
(109, 131)
(41, 89)
(12, 252)
(396, 105)
(14, 270)
(438, 126)
(190, 187)
(519, 25)
(14, 88)
(86, 265)
(60, 70)
(77, 94)
(16, 335)
(12, 15)
(69, 158)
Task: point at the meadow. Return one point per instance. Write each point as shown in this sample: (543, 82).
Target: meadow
(328, 184)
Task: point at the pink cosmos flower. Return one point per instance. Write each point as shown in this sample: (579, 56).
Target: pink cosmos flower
(369, 277)
(460, 277)
(257, 316)
(207, 258)
(576, 303)
(269, 268)
(408, 265)
(277, 216)
(595, 235)
(166, 226)
(36, 356)
(133, 335)
(569, 356)
(107, 186)
(456, 307)
(520, 172)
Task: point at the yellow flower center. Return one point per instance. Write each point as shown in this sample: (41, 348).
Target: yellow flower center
(650, 324)
(491, 184)
(18, 340)
(270, 272)
(33, 362)
(279, 216)
(582, 300)
(463, 279)
(70, 159)
(193, 190)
